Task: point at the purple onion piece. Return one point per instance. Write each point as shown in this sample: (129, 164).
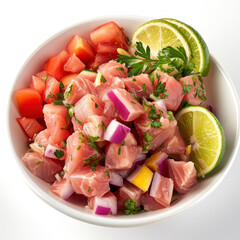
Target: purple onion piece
(162, 166)
(49, 152)
(116, 179)
(102, 210)
(209, 107)
(122, 110)
(116, 132)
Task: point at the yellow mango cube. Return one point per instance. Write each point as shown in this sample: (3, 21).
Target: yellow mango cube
(143, 178)
(151, 162)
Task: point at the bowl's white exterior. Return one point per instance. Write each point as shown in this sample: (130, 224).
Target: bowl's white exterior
(221, 95)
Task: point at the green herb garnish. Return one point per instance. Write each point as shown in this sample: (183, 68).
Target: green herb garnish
(131, 207)
(170, 114)
(119, 150)
(58, 153)
(107, 173)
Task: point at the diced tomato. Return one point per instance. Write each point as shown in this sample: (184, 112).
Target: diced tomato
(30, 125)
(38, 84)
(74, 65)
(52, 87)
(109, 33)
(54, 65)
(108, 48)
(81, 48)
(29, 103)
(99, 60)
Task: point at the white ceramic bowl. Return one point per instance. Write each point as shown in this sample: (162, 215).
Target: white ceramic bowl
(218, 85)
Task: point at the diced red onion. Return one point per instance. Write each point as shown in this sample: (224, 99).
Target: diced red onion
(124, 173)
(162, 164)
(116, 179)
(154, 185)
(67, 191)
(209, 107)
(49, 152)
(161, 104)
(140, 159)
(116, 132)
(122, 110)
(102, 210)
(134, 174)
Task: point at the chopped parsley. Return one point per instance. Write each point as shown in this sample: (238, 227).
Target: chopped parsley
(61, 85)
(162, 145)
(130, 207)
(77, 120)
(96, 105)
(92, 161)
(148, 138)
(120, 69)
(39, 162)
(71, 158)
(58, 153)
(104, 126)
(92, 143)
(123, 144)
(156, 124)
(45, 78)
(144, 87)
(68, 91)
(133, 102)
(119, 150)
(186, 88)
(107, 173)
(134, 80)
(185, 103)
(200, 92)
(64, 143)
(170, 114)
(102, 79)
(82, 138)
(89, 188)
(78, 148)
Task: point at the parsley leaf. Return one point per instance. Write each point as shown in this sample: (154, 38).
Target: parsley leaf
(170, 114)
(185, 103)
(58, 153)
(156, 124)
(131, 207)
(102, 79)
(68, 91)
(186, 88)
(119, 150)
(144, 87)
(107, 173)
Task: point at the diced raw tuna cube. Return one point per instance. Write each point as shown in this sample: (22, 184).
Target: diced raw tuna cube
(96, 126)
(120, 157)
(149, 203)
(42, 167)
(62, 188)
(173, 87)
(128, 108)
(109, 110)
(162, 189)
(183, 174)
(88, 74)
(91, 183)
(77, 151)
(111, 70)
(140, 85)
(107, 201)
(160, 135)
(116, 179)
(55, 118)
(42, 138)
(78, 88)
(196, 94)
(88, 106)
(130, 140)
(51, 88)
(77, 125)
(128, 191)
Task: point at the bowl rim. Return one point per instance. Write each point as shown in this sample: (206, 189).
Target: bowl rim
(115, 221)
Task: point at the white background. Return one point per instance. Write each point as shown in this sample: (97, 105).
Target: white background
(24, 25)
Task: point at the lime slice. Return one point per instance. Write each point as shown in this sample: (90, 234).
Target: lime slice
(158, 34)
(199, 49)
(200, 128)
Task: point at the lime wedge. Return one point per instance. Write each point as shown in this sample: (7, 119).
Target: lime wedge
(200, 128)
(158, 34)
(200, 54)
